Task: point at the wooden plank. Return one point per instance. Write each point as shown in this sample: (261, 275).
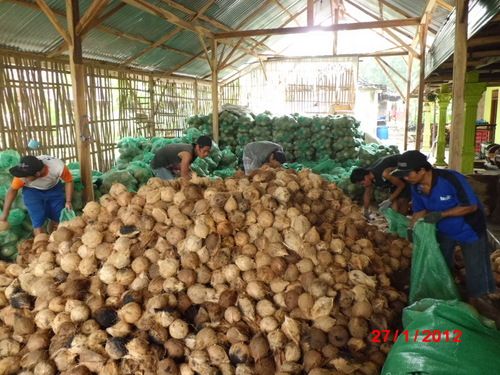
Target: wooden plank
(310, 13)
(215, 93)
(205, 49)
(459, 71)
(425, 20)
(82, 131)
(334, 8)
(301, 30)
(53, 20)
(91, 13)
(421, 86)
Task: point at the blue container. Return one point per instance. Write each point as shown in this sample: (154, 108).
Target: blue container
(382, 132)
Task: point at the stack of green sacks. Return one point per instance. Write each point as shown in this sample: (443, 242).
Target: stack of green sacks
(18, 219)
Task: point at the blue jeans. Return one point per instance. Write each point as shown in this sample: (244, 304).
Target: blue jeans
(478, 273)
(44, 204)
(163, 173)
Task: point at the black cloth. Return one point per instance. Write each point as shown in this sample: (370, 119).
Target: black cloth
(168, 156)
(378, 168)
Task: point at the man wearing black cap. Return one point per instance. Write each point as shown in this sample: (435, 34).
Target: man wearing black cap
(444, 197)
(175, 159)
(43, 193)
(256, 154)
(379, 175)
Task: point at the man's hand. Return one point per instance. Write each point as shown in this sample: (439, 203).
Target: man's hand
(433, 217)
(385, 205)
(68, 206)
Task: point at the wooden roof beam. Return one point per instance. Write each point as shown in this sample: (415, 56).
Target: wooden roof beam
(285, 10)
(395, 38)
(375, 17)
(212, 21)
(147, 7)
(391, 78)
(91, 13)
(53, 20)
(167, 36)
(301, 30)
(445, 5)
(424, 21)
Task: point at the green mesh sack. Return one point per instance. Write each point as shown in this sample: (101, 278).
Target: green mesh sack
(8, 237)
(8, 159)
(200, 167)
(430, 275)
(8, 251)
(444, 337)
(121, 176)
(141, 171)
(66, 215)
(398, 223)
(228, 158)
(16, 217)
(224, 173)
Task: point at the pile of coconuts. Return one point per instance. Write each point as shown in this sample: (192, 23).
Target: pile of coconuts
(273, 273)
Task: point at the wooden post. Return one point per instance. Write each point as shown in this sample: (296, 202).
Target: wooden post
(78, 83)
(407, 109)
(459, 69)
(444, 100)
(196, 99)
(335, 11)
(473, 92)
(215, 94)
(310, 13)
(152, 122)
(421, 86)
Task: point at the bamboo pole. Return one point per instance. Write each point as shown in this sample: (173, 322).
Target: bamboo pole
(421, 86)
(215, 93)
(407, 109)
(82, 131)
(459, 70)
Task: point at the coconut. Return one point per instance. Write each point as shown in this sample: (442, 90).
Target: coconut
(178, 329)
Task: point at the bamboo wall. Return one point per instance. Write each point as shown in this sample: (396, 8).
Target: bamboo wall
(312, 86)
(36, 103)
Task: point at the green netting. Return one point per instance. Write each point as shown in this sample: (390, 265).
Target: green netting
(430, 275)
(8, 237)
(8, 159)
(442, 324)
(398, 223)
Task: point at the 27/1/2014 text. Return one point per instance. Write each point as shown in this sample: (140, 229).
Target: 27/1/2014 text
(425, 335)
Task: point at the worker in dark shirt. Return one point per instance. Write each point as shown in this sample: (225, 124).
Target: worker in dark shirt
(379, 175)
(444, 197)
(175, 159)
(256, 154)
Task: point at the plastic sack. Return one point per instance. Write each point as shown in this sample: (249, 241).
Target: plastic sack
(122, 177)
(66, 215)
(8, 159)
(398, 223)
(438, 352)
(430, 275)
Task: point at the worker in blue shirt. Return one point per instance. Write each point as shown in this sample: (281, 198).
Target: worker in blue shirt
(444, 197)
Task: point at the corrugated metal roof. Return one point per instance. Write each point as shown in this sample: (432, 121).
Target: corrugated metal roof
(480, 13)
(25, 27)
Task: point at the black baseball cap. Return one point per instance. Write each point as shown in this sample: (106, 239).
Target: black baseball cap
(410, 161)
(28, 166)
(204, 141)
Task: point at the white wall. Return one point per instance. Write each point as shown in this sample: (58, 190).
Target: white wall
(366, 109)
